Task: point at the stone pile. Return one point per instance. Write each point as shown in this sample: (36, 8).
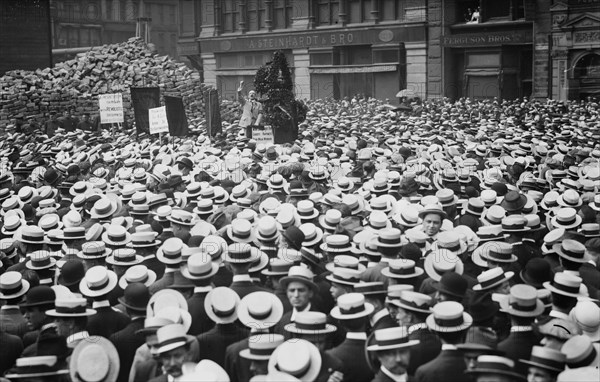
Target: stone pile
(106, 69)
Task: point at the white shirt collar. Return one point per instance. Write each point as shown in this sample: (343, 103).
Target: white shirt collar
(525, 328)
(593, 263)
(356, 336)
(371, 264)
(295, 311)
(384, 260)
(379, 315)
(448, 347)
(203, 289)
(557, 314)
(47, 326)
(415, 327)
(77, 337)
(576, 273)
(171, 270)
(394, 377)
(100, 304)
(9, 307)
(245, 277)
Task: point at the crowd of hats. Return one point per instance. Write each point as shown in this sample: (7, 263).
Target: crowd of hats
(470, 217)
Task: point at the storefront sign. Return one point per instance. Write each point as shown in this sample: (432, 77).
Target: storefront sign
(487, 39)
(111, 108)
(188, 48)
(303, 40)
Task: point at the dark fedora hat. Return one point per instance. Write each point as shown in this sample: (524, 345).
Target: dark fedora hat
(51, 176)
(38, 296)
(295, 236)
(537, 271)
(135, 297)
(50, 343)
(453, 284)
(513, 201)
(71, 273)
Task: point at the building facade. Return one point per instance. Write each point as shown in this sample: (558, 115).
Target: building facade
(575, 49)
(77, 25)
(336, 48)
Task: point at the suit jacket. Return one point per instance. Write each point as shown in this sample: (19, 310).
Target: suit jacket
(154, 264)
(429, 348)
(127, 341)
(352, 354)
(244, 288)
(106, 321)
(11, 349)
(384, 322)
(214, 342)
(374, 273)
(201, 323)
(329, 364)
(591, 278)
(236, 366)
(382, 377)
(13, 322)
(160, 378)
(448, 366)
(224, 277)
(163, 283)
(517, 346)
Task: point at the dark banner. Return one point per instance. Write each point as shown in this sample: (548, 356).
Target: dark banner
(178, 124)
(212, 112)
(142, 100)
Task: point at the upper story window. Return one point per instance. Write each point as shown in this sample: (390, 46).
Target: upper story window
(327, 12)
(229, 16)
(358, 11)
(255, 15)
(481, 11)
(282, 14)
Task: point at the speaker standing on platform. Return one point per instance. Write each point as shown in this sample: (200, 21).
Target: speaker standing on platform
(251, 110)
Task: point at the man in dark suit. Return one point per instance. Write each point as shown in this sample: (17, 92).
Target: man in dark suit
(11, 349)
(353, 313)
(375, 294)
(222, 304)
(200, 270)
(171, 349)
(391, 347)
(97, 285)
(449, 365)
(523, 306)
(240, 258)
(11, 318)
(170, 255)
(128, 339)
(38, 300)
(411, 310)
(588, 271)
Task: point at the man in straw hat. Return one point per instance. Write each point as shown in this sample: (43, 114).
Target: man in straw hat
(523, 307)
(12, 289)
(172, 345)
(312, 327)
(71, 317)
(352, 313)
(200, 270)
(392, 347)
(545, 364)
(495, 368)
(451, 323)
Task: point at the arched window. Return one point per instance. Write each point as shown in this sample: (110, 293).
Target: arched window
(588, 66)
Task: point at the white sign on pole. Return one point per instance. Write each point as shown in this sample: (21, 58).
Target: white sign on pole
(111, 108)
(158, 120)
(263, 135)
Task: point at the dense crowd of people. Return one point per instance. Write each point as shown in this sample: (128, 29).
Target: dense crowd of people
(456, 242)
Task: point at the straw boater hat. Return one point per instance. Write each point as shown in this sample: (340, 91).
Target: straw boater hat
(449, 316)
(240, 231)
(98, 281)
(298, 358)
(199, 266)
(299, 274)
(496, 365)
(413, 301)
(351, 306)
(92, 250)
(449, 240)
(260, 310)
(571, 250)
(124, 257)
(39, 260)
(171, 337)
(392, 338)
(345, 261)
(170, 252)
(70, 307)
(522, 302)
(260, 347)
(12, 285)
(401, 269)
(546, 358)
(439, 262)
(95, 359)
(492, 278)
(498, 252)
(221, 305)
(137, 274)
(566, 284)
(38, 367)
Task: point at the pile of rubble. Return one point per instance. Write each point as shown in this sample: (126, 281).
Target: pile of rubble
(107, 69)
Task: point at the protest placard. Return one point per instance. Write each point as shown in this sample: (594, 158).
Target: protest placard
(158, 120)
(111, 108)
(263, 134)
